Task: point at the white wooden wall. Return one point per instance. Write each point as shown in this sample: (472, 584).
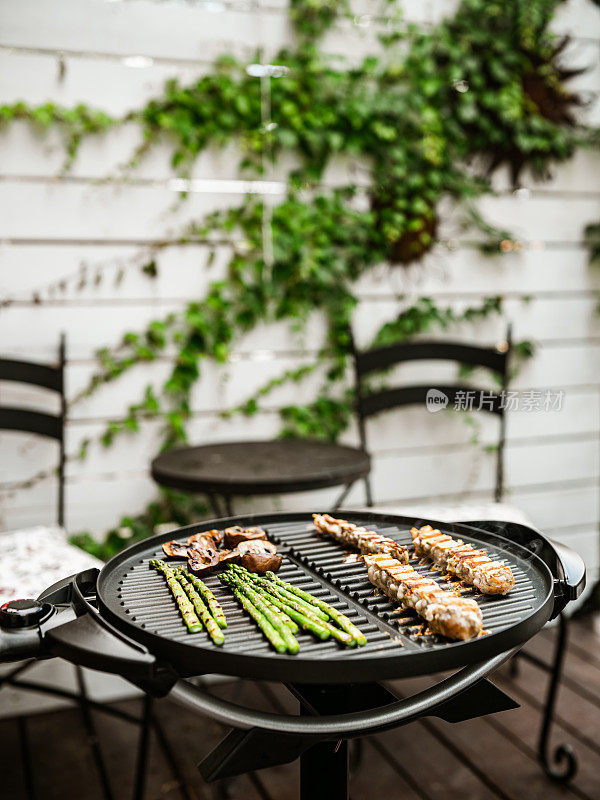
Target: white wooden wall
(49, 226)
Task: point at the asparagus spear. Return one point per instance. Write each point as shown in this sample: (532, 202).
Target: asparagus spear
(185, 606)
(336, 615)
(201, 610)
(208, 596)
(341, 636)
(302, 613)
(314, 625)
(258, 601)
(297, 603)
(283, 617)
(263, 623)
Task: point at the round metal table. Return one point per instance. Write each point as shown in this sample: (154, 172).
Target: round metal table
(279, 466)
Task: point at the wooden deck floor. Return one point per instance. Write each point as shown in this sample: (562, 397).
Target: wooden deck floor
(493, 757)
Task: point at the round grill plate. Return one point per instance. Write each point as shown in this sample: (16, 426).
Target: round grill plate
(137, 600)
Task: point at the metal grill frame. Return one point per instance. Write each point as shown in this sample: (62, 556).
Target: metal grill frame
(338, 665)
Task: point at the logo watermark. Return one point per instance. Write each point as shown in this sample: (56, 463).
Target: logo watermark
(436, 400)
(476, 400)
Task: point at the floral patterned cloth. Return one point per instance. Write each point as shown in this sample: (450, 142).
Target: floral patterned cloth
(33, 559)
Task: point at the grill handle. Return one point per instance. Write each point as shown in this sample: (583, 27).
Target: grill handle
(338, 726)
(573, 568)
(91, 641)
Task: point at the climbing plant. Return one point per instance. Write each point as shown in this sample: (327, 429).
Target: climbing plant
(429, 117)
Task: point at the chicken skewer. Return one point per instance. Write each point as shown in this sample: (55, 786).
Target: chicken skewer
(472, 566)
(445, 612)
(364, 540)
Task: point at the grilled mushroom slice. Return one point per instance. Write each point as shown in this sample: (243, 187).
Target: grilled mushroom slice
(229, 556)
(175, 550)
(259, 556)
(237, 534)
(211, 538)
(202, 560)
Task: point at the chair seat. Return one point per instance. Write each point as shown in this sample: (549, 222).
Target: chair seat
(264, 467)
(32, 559)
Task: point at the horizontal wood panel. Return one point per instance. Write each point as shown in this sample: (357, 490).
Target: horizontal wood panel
(573, 505)
(71, 211)
(28, 154)
(176, 31)
(539, 218)
(564, 507)
(464, 273)
(560, 365)
(92, 326)
(545, 319)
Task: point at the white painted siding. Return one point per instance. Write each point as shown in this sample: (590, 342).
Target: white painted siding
(49, 226)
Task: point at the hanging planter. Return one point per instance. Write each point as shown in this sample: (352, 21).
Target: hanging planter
(404, 241)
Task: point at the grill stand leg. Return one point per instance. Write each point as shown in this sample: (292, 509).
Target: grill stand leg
(324, 771)
(142, 757)
(92, 734)
(324, 763)
(26, 759)
(325, 766)
(561, 764)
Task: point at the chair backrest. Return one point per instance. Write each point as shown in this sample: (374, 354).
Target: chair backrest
(45, 376)
(368, 403)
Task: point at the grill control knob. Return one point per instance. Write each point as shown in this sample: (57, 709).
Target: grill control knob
(23, 613)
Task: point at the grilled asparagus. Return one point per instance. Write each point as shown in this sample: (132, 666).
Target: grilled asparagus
(263, 623)
(208, 597)
(185, 606)
(214, 631)
(257, 600)
(288, 603)
(342, 620)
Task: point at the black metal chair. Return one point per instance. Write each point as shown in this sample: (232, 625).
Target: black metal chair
(52, 377)
(45, 376)
(369, 403)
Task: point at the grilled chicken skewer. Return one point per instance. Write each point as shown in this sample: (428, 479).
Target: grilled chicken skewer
(364, 540)
(445, 612)
(472, 566)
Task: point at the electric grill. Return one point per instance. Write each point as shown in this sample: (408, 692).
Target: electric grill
(123, 620)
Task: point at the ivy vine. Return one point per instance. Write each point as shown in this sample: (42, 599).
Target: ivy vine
(428, 119)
